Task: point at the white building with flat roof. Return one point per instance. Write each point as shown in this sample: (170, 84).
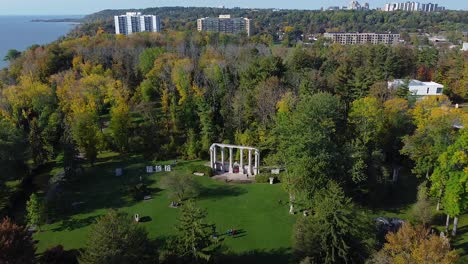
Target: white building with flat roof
(362, 38)
(419, 88)
(134, 22)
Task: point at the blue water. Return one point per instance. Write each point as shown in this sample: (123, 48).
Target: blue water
(18, 32)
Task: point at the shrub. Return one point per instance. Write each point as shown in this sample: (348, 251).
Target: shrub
(139, 191)
(57, 255)
(201, 169)
(263, 177)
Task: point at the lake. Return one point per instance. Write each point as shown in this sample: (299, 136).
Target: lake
(18, 32)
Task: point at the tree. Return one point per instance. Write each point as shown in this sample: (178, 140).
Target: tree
(434, 134)
(12, 55)
(415, 245)
(450, 176)
(120, 125)
(38, 145)
(334, 233)
(366, 119)
(147, 58)
(116, 238)
(13, 150)
(16, 244)
(86, 133)
(422, 209)
(180, 186)
(194, 242)
(402, 90)
(308, 144)
(35, 211)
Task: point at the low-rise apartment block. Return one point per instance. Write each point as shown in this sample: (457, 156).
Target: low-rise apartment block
(363, 38)
(225, 24)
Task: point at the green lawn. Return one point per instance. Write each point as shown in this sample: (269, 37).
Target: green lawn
(253, 209)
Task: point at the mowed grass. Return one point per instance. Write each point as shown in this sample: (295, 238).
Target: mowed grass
(257, 211)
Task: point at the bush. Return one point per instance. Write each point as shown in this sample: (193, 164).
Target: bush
(264, 178)
(201, 169)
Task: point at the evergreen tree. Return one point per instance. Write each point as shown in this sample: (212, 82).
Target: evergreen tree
(403, 91)
(35, 211)
(116, 239)
(194, 242)
(37, 143)
(334, 233)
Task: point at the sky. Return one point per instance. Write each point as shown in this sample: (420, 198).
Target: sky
(83, 7)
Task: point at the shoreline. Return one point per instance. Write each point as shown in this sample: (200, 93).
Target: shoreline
(58, 20)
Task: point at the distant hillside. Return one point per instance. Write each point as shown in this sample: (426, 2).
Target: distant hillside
(271, 21)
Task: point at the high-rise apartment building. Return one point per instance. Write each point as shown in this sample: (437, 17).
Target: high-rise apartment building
(225, 24)
(363, 38)
(412, 7)
(133, 22)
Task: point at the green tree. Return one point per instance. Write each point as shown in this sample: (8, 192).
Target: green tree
(194, 242)
(120, 125)
(116, 238)
(451, 175)
(308, 144)
(335, 232)
(11, 55)
(14, 150)
(422, 209)
(366, 119)
(16, 244)
(180, 186)
(147, 58)
(434, 134)
(38, 144)
(86, 134)
(402, 90)
(35, 211)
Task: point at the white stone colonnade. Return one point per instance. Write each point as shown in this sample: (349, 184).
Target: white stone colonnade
(251, 168)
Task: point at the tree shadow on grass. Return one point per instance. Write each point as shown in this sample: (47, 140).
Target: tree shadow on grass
(221, 191)
(275, 256)
(70, 224)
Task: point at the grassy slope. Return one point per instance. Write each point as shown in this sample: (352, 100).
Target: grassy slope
(253, 209)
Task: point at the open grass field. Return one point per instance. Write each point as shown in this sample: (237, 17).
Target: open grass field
(265, 227)
(264, 224)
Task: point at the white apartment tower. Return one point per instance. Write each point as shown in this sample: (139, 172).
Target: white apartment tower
(134, 22)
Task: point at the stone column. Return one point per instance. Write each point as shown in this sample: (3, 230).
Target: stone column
(230, 161)
(241, 163)
(211, 158)
(222, 159)
(257, 162)
(214, 157)
(249, 169)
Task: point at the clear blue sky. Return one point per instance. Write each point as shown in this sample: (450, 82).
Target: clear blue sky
(64, 7)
